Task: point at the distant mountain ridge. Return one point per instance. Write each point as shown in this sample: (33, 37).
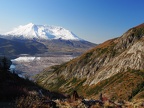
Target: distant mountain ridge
(42, 39)
(41, 32)
(11, 48)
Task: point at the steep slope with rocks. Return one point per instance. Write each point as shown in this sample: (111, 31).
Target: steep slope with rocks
(104, 61)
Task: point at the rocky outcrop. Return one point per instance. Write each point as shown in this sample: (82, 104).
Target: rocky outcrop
(104, 61)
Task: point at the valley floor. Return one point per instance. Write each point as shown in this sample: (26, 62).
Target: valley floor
(28, 66)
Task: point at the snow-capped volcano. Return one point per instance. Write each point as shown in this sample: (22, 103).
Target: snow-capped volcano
(32, 31)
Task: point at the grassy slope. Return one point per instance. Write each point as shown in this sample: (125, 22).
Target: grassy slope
(125, 85)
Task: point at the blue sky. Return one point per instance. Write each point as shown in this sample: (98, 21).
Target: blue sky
(92, 20)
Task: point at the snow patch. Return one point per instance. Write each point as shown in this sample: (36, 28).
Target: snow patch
(26, 59)
(32, 31)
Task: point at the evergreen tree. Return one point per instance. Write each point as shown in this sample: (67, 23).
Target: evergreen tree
(5, 64)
